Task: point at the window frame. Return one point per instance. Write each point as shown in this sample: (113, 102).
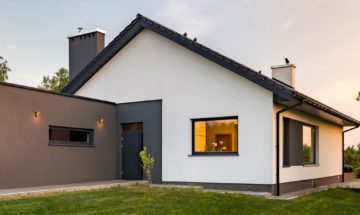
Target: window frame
(71, 143)
(193, 152)
(315, 144)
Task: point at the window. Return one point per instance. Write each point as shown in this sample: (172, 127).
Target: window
(70, 136)
(299, 143)
(308, 144)
(215, 135)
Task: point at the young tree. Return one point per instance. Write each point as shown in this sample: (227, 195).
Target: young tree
(147, 163)
(4, 70)
(57, 82)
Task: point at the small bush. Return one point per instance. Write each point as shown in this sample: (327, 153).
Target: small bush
(352, 156)
(357, 172)
(147, 163)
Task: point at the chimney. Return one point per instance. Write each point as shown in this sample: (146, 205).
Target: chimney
(285, 74)
(83, 47)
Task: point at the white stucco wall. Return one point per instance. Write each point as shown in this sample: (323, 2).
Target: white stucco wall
(329, 149)
(153, 67)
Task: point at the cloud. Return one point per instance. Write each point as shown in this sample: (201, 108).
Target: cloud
(11, 46)
(287, 24)
(315, 3)
(187, 16)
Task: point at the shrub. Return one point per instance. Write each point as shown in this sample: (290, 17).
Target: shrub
(352, 156)
(357, 172)
(147, 163)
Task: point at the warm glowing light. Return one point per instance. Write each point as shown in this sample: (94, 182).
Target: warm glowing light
(37, 114)
(101, 121)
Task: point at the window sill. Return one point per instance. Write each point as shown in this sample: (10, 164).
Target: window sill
(311, 165)
(221, 154)
(304, 165)
(286, 166)
(70, 145)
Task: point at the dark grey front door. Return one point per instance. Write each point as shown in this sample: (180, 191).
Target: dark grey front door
(132, 145)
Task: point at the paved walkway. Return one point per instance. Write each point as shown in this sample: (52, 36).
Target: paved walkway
(293, 195)
(65, 187)
(112, 183)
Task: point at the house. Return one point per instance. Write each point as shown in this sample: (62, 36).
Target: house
(206, 119)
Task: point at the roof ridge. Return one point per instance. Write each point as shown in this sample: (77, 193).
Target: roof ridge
(140, 22)
(111, 44)
(141, 18)
(215, 53)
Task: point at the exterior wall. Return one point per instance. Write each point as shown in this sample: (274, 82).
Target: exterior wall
(149, 113)
(329, 150)
(151, 67)
(306, 184)
(26, 159)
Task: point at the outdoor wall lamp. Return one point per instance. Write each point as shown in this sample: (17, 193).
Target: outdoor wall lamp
(101, 121)
(37, 114)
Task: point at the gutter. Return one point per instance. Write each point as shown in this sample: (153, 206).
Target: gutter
(278, 143)
(343, 149)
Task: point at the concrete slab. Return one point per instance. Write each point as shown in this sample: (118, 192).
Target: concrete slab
(250, 193)
(177, 186)
(293, 195)
(4, 193)
(196, 187)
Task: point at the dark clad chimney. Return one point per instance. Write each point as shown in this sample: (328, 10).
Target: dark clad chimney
(83, 47)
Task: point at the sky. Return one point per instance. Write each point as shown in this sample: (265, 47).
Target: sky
(322, 37)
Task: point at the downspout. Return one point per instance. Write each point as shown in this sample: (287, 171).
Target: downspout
(278, 143)
(343, 149)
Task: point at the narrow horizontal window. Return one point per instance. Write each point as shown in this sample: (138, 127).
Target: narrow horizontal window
(70, 136)
(215, 135)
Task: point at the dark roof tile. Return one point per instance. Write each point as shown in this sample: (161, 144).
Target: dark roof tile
(142, 22)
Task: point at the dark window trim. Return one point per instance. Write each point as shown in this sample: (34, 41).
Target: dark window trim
(72, 143)
(316, 143)
(193, 153)
(306, 164)
(215, 154)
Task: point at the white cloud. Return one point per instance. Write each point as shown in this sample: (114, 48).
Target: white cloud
(11, 46)
(188, 16)
(287, 24)
(315, 3)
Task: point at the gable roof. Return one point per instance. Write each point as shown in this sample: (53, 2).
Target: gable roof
(140, 23)
(281, 91)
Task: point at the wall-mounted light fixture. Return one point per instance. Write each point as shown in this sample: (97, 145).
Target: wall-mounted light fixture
(37, 114)
(101, 121)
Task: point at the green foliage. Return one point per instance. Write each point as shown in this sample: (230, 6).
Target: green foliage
(352, 157)
(306, 153)
(131, 200)
(147, 163)
(357, 171)
(57, 82)
(4, 70)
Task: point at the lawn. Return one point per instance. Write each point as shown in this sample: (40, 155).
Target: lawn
(138, 200)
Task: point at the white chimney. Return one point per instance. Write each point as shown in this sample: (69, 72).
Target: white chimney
(284, 73)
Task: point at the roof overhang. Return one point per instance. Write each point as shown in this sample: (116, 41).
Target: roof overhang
(140, 23)
(283, 94)
(317, 109)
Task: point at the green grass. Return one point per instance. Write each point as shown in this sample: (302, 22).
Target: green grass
(138, 200)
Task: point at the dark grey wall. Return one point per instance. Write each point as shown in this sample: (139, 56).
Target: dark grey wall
(26, 159)
(150, 114)
(82, 49)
